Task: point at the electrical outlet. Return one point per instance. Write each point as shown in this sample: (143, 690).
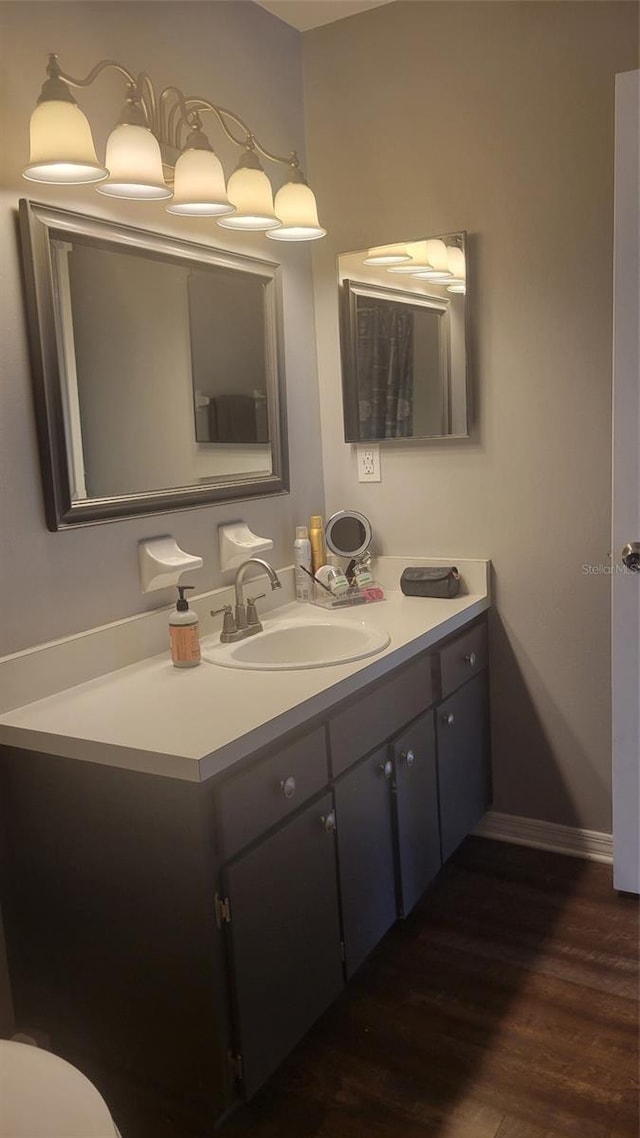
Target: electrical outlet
(369, 463)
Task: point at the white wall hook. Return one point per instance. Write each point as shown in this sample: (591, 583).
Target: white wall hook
(237, 543)
(162, 562)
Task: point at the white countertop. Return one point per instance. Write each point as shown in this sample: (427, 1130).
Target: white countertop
(193, 723)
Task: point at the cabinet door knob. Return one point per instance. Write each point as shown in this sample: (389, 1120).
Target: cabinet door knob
(448, 720)
(329, 821)
(471, 659)
(386, 769)
(288, 786)
(409, 757)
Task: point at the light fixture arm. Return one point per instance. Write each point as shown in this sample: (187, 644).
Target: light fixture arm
(184, 107)
(141, 84)
(166, 122)
(248, 139)
(53, 69)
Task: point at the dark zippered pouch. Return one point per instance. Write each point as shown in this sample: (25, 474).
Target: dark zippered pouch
(429, 581)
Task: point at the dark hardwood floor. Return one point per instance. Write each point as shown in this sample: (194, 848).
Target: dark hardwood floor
(505, 1007)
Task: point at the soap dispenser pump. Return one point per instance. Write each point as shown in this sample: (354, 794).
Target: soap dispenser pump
(183, 633)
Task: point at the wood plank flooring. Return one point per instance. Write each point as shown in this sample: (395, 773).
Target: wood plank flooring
(506, 1006)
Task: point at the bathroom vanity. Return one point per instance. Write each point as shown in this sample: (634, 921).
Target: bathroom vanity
(187, 925)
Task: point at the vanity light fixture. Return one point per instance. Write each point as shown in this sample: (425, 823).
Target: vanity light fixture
(455, 261)
(61, 143)
(418, 260)
(387, 255)
(437, 267)
(133, 157)
(198, 182)
(457, 267)
(251, 195)
(296, 207)
(147, 146)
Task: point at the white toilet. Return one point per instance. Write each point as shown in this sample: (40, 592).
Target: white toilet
(43, 1096)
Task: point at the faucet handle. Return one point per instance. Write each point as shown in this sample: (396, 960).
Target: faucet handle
(228, 624)
(252, 613)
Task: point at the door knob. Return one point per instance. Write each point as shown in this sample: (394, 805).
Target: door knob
(409, 757)
(386, 769)
(329, 821)
(471, 659)
(448, 720)
(631, 556)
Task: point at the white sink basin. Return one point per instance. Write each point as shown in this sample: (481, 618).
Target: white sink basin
(300, 643)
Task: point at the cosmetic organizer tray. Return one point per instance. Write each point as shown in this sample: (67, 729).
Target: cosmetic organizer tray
(354, 596)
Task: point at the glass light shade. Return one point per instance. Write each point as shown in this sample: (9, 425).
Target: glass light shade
(437, 257)
(135, 165)
(455, 262)
(199, 188)
(62, 147)
(417, 254)
(387, 255)
(295, 206)
(457, 287)
(434, 275)
(249, 191)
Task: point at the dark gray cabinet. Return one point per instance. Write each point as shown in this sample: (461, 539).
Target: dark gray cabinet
(416, 811)
(365, 722)
(365, 848)
(284, 936)
(463, 762)
(113, 879)
(388, 836)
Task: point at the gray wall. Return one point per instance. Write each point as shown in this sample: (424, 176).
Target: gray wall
(496, 118)
(240, 56)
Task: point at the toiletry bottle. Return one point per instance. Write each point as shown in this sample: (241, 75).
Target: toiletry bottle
(302, 557)
(316, 537)
(183, 633)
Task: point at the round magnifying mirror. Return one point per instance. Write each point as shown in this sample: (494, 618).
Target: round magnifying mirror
(348, 533)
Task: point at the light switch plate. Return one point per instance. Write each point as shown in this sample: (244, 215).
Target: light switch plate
(369, 463)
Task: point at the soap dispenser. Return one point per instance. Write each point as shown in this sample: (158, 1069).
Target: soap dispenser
(183, 633)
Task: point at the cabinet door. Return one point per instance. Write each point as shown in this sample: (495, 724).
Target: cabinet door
(285, 939)
(416, 800)
(463, 762)
(365, 850)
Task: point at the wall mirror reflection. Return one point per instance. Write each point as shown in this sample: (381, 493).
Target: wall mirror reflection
(404, 332)
(157, 373)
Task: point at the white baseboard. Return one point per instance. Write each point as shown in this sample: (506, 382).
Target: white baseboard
(589, 844)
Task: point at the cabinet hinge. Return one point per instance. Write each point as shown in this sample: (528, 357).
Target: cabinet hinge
(235, 1062)
(342, 951)
(223, 911)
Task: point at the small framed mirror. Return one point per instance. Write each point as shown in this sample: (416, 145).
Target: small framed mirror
(348, 533)
(404, 335)
(157, 369)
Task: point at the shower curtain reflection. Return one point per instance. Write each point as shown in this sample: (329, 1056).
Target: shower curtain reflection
(385, 370)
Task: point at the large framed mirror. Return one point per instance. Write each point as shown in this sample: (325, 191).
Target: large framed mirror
(157, 368)
(404, 340)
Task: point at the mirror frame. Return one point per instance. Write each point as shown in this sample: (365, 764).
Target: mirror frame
(339, 517)
(349, 291)
(39, 224)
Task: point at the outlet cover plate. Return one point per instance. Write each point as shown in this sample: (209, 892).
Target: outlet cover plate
(369, 463)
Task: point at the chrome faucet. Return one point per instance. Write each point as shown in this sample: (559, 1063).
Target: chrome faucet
(245, 621)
